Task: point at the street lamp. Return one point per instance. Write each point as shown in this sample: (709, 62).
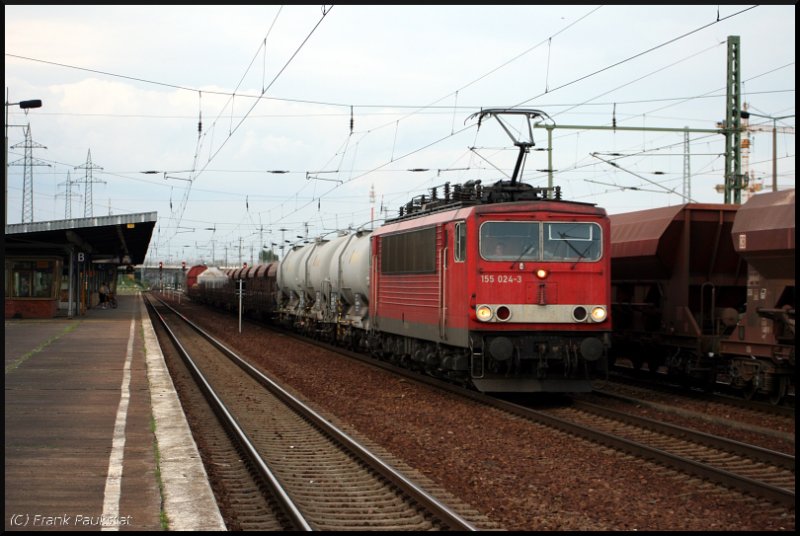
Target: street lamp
(746, 114)
(24, 105)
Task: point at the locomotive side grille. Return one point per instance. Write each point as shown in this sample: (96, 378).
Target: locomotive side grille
(417, 291)
(409, 253)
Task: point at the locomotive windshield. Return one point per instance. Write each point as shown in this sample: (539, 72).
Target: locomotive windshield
(510, 240)
(540, 241)
(571, 241)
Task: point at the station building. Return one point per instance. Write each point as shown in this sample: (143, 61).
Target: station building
(55, 268)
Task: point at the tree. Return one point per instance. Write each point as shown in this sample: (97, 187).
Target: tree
(266, 255)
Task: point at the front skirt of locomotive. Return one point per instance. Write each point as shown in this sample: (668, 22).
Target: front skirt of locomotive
(525, 362)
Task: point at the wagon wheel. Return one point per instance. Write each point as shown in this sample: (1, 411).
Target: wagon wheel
(779, 392)
(710, 381)
(637, 362)
(749, 390)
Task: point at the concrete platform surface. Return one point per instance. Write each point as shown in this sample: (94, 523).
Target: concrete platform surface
(95, 437)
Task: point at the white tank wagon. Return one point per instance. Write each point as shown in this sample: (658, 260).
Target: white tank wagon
(349, 279)
(281, 279)
(324, 287)
(318, 279)
(291, 279)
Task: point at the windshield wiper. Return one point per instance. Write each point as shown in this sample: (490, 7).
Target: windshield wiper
(581, 256)
(525, 250)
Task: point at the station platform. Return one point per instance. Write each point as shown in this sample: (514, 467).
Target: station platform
(95, 437)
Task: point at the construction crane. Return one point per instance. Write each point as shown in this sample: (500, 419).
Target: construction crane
(755, 185)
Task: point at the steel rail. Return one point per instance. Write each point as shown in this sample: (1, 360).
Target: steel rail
(229, 421)
(439, 509)
(776, 494)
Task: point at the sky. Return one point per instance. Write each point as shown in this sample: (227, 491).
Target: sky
(251, 126)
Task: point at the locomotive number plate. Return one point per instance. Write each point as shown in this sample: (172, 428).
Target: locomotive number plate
(501, 279)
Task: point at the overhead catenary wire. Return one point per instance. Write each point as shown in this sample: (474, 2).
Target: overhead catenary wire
(616, 64)
(346, 155)
(242, 120)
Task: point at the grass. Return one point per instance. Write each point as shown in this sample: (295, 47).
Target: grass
(13, 366)
(157, 452)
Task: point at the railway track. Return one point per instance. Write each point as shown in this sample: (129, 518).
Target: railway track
(747, 469)
(320, 477)
(763, 473)
(748, 504)
(622, 377)
(236, 484)
(760, 421)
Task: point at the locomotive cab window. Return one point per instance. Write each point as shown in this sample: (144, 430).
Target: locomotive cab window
(535, 241)
(574, 241)
(460, 249)
(510, 240)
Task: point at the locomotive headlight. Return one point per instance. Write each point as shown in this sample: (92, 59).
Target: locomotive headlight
(599, 314)
(484, 313)
(541, 273)
(503, 313)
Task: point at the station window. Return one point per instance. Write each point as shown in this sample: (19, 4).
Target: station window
(30, 278)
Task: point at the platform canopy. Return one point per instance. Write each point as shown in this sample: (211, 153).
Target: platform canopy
(119, 239)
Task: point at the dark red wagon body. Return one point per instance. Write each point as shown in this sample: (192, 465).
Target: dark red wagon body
(684, 280)
(761, 347)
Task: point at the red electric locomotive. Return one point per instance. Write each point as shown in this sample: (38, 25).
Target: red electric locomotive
(498, 286)
(505, 288)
